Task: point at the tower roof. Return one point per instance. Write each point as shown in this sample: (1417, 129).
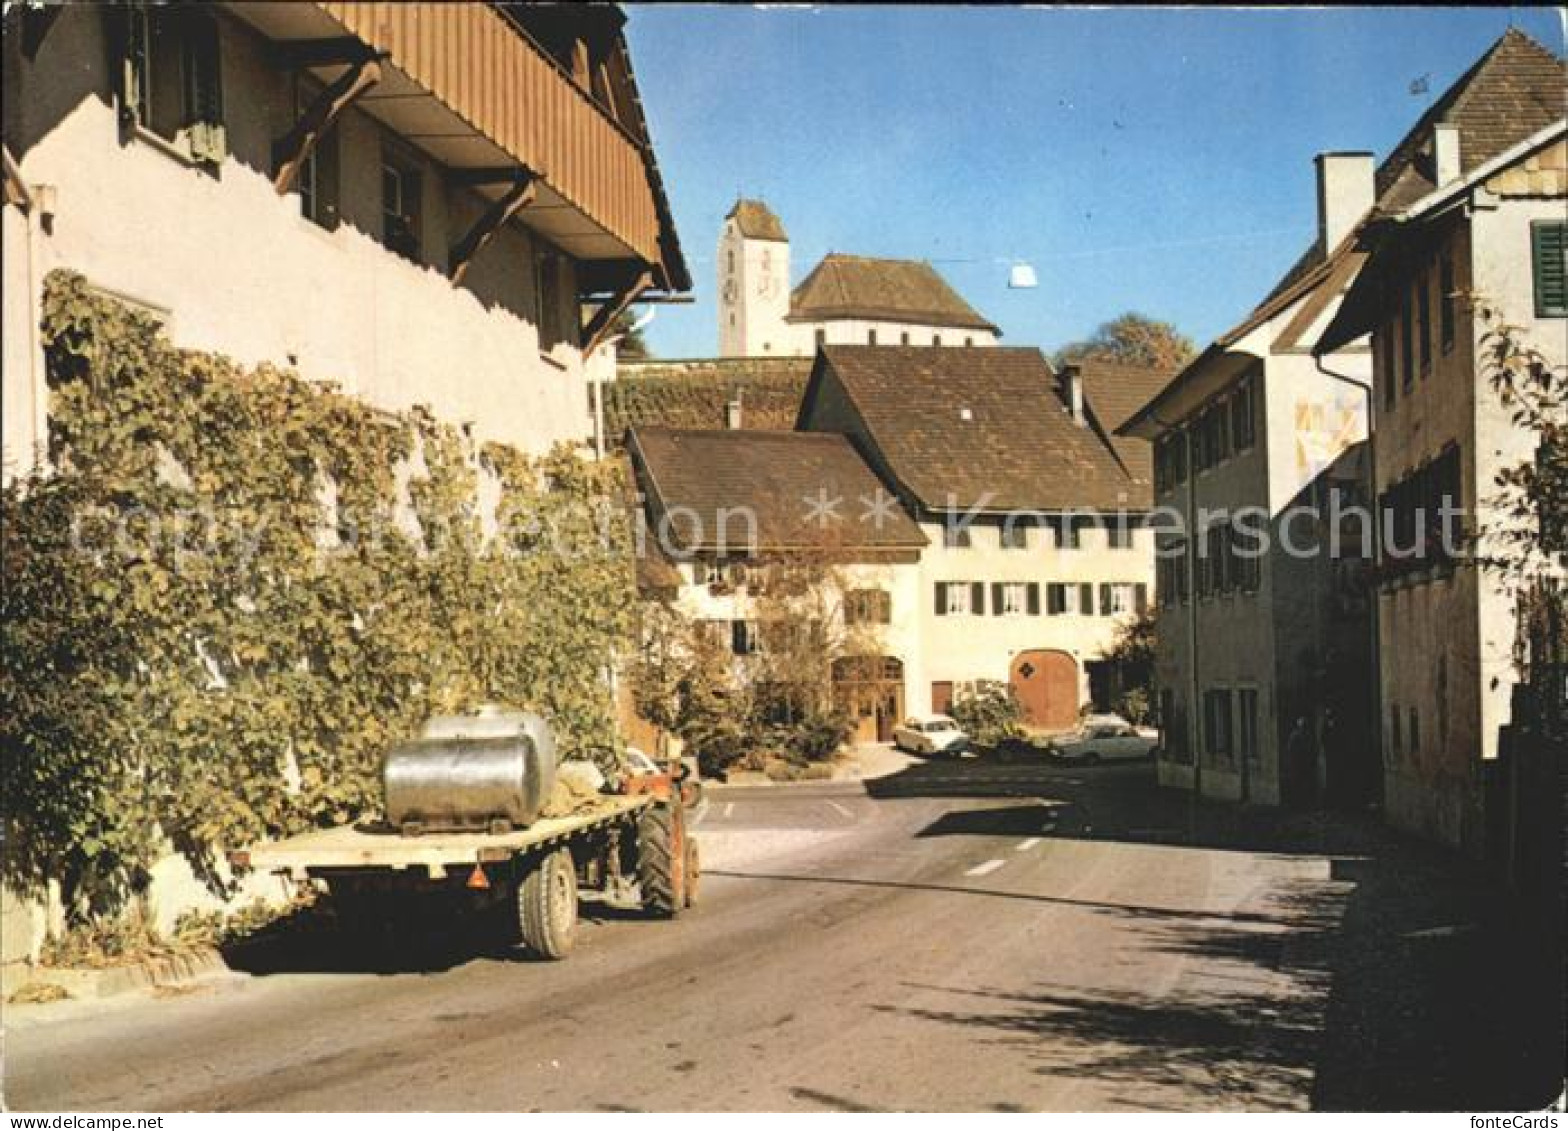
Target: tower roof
(756, 221)
(891, 290)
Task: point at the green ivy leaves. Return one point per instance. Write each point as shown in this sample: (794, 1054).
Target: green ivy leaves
(218, 614)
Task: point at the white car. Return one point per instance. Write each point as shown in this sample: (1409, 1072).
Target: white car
(1104, 738)
(930, 734)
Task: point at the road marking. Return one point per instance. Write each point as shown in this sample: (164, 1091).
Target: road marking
(841, 810)
(729, 807)
(985, 869)
(1027, 845)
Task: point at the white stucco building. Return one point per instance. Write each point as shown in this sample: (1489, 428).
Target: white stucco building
(843, 300)
(312, 185)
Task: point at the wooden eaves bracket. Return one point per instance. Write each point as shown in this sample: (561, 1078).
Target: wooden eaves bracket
(293, 149)
(598, 327)
(512, 201)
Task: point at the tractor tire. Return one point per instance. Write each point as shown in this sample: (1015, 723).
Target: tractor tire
(661, 859)
(547, 906)
(693, 870)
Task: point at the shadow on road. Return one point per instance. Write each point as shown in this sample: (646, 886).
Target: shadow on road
(1402, 980)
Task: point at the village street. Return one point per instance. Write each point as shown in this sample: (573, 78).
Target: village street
(953, 935)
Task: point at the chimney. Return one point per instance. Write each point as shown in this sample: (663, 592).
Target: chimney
(1072, 388)
(732, 413)
(1345, 193)
(1445, 153)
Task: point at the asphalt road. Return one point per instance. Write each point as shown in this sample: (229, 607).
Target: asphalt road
(956, 936)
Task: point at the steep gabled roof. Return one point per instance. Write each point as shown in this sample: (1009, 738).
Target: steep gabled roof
(709, 480)
(982, 428)
(756, 221)
(1114, 394)
(1512, 91)
(882, 290)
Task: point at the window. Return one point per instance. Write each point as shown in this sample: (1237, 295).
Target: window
(172, 84)
(1414, 733)
(1212, 439)
(1012, 598)
(1394, 730)
(1120, 597)
(1069, 532)
(318, 176)
(936, 339)
(745, 637)
(1118, 533)
(1217, 736)
(1069, 598)
(1170, 571)
(1015, 535)
(1549, 260)
(956, 536)
(1170, 461)
(1389, 377)
(1417, 534)
(1247, 720)
(1173, 728)
(1243, 416)
(868, 606)
(1214, 573)
(822, 337)
(401, 211)
(1446, 299)
(903, 338)
(704, 573)
(1424, 322)
(1407, 345)
(871, 337)
(1242, 565)
(969, 341)
(959, 598)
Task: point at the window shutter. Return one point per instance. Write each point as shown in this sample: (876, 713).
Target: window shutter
(977, 598)
(1549, 255)
(996, 598)
(941, 598)
(1142, 596)
(1086, 599)
(1105, 598)
(133, 65)
(1033, 597)
(1055, 599)
(204, 89)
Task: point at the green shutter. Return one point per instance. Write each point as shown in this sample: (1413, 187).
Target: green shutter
(1033, 597)
(977, 598)
(1549, 256)
(996, 598)
(941, 598)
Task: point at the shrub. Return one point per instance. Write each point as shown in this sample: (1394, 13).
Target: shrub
(990, 713)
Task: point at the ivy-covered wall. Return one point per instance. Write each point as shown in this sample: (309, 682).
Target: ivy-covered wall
(692, 394)
(234, 589)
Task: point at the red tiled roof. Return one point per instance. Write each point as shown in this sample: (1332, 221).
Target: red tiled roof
(882, 290)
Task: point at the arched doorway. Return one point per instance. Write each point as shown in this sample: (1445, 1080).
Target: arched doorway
(1046, 684)
(871, 689)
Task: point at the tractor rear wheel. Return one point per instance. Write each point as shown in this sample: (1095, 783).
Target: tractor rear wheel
(661, 859)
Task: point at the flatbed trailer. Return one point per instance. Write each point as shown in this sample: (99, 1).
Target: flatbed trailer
(620, 844)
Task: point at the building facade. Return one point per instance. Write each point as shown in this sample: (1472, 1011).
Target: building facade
(844, 300)
(1474, 241)
(1264, 638)
(1035, 516)
(323, 187)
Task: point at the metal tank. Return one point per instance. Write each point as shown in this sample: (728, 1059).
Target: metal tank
(491, 768)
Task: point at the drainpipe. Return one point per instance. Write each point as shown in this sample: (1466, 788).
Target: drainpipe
(1365, 388)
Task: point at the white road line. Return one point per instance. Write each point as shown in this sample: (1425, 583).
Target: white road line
(729, 807)
(985, 869)
(840, 809)
(1027, 845)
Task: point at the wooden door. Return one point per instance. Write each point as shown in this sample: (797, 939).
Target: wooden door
(942, 697)
(1046, 684)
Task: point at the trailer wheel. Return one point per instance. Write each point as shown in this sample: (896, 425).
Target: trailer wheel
(547, 905)
(661, 859)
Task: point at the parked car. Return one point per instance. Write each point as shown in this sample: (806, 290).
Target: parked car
(930, 734)
(1104, 738)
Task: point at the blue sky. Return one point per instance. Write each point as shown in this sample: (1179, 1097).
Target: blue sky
(1151, 160)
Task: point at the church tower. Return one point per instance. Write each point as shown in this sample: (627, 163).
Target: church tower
(753, 280)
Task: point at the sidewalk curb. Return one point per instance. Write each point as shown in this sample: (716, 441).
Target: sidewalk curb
(86, 984)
